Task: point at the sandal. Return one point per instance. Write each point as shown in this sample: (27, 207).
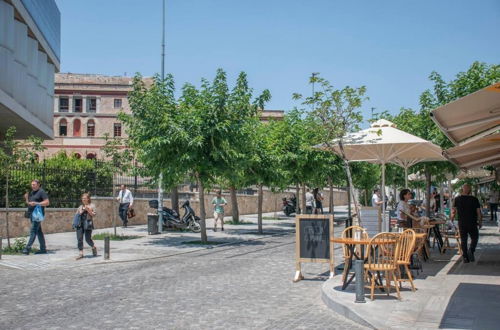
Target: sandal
(94, 251)
(79, 257)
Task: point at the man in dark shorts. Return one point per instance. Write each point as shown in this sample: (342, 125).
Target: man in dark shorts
(37, 196)
(469, 221)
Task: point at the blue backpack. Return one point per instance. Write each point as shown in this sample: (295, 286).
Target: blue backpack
(37, 214)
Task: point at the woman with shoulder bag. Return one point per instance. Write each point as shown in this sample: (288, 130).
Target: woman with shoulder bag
(84, 228)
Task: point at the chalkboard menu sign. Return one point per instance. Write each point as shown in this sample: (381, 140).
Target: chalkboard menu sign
(312, 235)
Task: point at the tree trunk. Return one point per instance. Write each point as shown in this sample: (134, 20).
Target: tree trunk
(201, 196)
(259, 209)
(234, 205)
(366, 197)
(351, 187)
(351, 192)
(330, 198)
(7, 208)
(297, 195)
(174, 198)
(428, 190)
(303, 199)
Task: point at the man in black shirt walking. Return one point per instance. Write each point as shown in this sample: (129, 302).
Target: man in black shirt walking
(37, 196)
(469, 220)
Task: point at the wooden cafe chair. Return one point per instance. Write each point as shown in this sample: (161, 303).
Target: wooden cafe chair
(451, 233)
(349, 232)
(404, 249)
(382, 259)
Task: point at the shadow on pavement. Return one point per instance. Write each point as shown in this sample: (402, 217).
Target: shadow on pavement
(178, 242)
(472, 306)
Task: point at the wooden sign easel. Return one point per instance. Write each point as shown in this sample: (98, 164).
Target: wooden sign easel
(312, 241)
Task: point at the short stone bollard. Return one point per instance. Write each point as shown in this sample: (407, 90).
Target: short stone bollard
(360, 281)
(106, 248)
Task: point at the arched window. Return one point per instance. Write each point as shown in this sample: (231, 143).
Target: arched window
(63, 128)
(77, 127)
(90, 156)
(90, 128)
(77, 155)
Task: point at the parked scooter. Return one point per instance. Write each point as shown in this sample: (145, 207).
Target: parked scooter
(289, 206)
(172, 219)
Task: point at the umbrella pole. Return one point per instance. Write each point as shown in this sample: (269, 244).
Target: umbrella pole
(406, 177)
(384, 222)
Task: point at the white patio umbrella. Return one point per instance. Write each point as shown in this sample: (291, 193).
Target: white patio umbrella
(383, 143)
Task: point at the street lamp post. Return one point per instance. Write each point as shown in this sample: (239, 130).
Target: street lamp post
(160, 179)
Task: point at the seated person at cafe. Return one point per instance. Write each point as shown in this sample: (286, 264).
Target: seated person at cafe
(403, 209)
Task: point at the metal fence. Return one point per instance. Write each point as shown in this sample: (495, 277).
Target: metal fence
(66, 185)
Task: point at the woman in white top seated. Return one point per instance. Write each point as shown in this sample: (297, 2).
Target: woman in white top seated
(404, 208)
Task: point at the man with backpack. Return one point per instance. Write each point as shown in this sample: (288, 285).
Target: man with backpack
(36, 197)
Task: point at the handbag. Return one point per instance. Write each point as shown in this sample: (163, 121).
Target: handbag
(86, 222)
(37, 214)
(130, 213)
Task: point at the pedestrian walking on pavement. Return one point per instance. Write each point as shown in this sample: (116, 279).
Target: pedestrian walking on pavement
(36, 197)
(493, 202)
(377, 199)
(219, 202)
(470, 220)
(86, 213)
(126, 201)
(318, 197)
(310, 202)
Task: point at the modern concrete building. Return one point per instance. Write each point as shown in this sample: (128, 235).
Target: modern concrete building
(29, 56)
(86, 108)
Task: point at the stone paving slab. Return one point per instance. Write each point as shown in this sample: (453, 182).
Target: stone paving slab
(449, 294)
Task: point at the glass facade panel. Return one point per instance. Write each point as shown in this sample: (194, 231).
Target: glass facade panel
(48, 20)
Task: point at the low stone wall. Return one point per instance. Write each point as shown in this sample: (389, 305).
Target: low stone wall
(60, 220)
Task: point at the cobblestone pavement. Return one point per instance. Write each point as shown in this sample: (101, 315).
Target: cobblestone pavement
(248, 286)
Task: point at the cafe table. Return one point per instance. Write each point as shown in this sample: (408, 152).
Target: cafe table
(350, 243)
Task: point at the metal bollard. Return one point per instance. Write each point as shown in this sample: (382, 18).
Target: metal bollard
(106, 248)
(0, 247)
(360, 281)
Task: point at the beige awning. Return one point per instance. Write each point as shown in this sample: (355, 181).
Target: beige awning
(470, 117)
(482, 152)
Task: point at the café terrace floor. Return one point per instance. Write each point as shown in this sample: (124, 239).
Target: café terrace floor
(450, 294)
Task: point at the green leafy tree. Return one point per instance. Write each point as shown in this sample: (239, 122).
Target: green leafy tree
(241, 112)
(157, 132)
(264, 164)
(365, 177)
(215, 120)
(338, 112)
(14, 152)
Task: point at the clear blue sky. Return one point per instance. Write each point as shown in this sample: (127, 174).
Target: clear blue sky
(388, 46)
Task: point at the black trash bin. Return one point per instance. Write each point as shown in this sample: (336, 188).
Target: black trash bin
(153, 224)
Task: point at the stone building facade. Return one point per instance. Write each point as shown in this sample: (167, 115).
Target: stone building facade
(86, 108)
